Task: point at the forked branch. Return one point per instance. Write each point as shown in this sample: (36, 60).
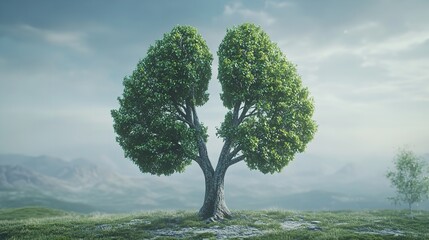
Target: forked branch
(236, 160)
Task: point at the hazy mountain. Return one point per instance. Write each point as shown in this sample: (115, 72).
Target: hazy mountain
(85, 186)
(24, 179)
(18, 176)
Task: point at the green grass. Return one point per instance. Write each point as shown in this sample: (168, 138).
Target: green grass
(30, 212)
(15, 198)
(42, 223)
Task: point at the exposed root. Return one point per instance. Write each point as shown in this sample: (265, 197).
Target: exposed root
(219, 216)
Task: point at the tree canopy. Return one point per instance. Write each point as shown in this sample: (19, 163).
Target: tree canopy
(275, 109)
(153, 120)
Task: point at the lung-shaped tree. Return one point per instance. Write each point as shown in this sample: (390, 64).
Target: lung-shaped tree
(268, 122)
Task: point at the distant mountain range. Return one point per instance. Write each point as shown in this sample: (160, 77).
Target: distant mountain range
(85, 186)
(78, 185)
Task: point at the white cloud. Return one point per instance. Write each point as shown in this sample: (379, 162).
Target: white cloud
(412, 71)
(378, 66)
(277, 4)
(72, 40)
(367, 40)
(363, 28)
(260, 16)
(397, 43)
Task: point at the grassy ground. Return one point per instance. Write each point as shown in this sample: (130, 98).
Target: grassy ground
(41, 223)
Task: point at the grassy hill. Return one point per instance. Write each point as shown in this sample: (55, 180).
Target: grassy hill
(42, 223)
(30, 212)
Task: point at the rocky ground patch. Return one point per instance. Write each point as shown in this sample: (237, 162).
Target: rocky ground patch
(233, 231)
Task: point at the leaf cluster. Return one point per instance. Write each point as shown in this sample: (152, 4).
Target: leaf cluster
(270, 111)
(181, 64)
(155, 114)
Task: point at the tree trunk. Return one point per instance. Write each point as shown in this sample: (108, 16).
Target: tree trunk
(214, 206)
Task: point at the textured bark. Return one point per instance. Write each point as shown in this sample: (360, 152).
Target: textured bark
(220, 210)
(208, 205)
(214, 206)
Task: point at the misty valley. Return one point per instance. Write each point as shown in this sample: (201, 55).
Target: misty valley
(85, 186)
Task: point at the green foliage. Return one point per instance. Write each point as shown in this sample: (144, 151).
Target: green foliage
(180, 64)
(174, 75)
(411, 178)
(276, 110)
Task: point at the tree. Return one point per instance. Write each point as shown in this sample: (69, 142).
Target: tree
(410, 179)
(268, 122)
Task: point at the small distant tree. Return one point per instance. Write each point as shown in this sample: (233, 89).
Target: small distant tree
(410, 178)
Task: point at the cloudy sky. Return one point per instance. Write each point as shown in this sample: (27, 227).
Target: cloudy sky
(366, 64)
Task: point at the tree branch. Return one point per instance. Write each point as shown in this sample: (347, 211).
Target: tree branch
(190, 124)
(181, 115)
(244, 113)
(235, 113)
(203, 159)
(178, 110)
(226, 155)
(233, 153)
(252, 113)
(236, 160)
(188, 110)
